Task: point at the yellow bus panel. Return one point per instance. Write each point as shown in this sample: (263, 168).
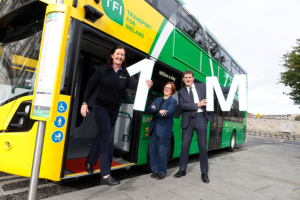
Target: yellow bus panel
(17, 157)
(134, 22)
(5, 110)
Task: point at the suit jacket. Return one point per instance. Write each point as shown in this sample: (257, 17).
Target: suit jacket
(189, 108)
(164, 124)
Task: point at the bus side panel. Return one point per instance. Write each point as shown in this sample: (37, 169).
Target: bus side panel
(177, 137)
(226, 135)
(53, 149)
(18, 158)
(144, 140)
(168, 56)
(128, 22)
(16, 148)
(5, 110)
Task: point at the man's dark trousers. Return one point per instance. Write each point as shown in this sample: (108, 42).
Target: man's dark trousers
(199, 124)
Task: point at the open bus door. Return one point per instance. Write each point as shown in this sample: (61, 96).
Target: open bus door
(216, 129)
(92, 50)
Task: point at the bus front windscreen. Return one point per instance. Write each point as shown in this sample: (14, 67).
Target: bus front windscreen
(19, 53)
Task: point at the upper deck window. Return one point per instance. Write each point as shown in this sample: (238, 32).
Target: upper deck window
(187, 18)
(212, 47)
(150, 1)
(198, 37)
(167, 7)
(187, 28)
(235, 69)
(225, 60)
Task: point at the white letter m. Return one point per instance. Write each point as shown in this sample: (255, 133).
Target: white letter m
(213, 83)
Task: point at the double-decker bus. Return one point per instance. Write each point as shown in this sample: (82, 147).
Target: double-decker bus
(162, 30)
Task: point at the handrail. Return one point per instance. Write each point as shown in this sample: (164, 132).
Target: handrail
(130, 124)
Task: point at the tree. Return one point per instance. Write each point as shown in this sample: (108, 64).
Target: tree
(291, 76)
(297, 118)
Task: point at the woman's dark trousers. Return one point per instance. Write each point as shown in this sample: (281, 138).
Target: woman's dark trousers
(103, 143)
(158, 152)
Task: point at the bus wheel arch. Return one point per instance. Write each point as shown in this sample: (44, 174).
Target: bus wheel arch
(232, 141)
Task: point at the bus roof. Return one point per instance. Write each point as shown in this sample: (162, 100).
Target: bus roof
(211, 34)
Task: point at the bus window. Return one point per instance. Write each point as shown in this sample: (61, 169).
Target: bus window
(187, 28)
(18, 62)
(150, 1)
(235, 69)
(241, 115)
(186, 17)
(12, 5)
(167, 7)
(161, 75)
(226, 115)
(198, 37)
(225, 60)
(235, 111)
(212, 47)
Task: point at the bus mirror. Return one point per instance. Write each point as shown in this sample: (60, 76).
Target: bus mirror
(213, 83)
(92, 14)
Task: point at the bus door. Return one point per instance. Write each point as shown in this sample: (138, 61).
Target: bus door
(216, 129)
(94, 52)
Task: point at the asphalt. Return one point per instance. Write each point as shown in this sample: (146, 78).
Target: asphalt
(268, 170)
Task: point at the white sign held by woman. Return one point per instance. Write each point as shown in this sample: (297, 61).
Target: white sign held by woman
(145, 67)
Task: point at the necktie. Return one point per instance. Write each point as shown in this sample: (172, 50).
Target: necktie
(191, 95)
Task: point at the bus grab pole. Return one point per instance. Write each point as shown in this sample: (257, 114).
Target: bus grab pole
(35, 171)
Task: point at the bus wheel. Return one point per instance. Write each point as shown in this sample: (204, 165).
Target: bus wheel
(232, 142)
(147, 166)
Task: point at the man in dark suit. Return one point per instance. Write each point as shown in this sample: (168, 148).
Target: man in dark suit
(192, 101)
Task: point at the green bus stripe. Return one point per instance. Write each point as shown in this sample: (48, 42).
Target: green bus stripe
(161, 28)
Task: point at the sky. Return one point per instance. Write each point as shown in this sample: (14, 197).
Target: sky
(256, 33)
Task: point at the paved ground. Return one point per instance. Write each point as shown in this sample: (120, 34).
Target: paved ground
(262, 172)
(261, 168)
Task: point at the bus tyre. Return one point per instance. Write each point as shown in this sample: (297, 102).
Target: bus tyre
(147, 166)
(232, 142)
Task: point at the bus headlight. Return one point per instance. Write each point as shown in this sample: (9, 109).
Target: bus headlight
(27, 109)
(21, 121)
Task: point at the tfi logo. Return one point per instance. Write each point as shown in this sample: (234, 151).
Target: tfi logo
(114, 9)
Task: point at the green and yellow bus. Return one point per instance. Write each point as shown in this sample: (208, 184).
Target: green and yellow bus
(162, 30)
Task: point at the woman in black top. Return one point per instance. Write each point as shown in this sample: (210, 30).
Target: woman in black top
(112, 80)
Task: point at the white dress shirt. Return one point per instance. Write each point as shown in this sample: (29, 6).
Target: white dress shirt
(196, 98)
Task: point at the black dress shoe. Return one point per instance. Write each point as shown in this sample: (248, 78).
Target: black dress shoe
(154, 175)
(205, 178)
(180, 174)
(89, 168)
(109, 181)
(161, 176)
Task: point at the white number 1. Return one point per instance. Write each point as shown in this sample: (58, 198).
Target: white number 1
(146, 68)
